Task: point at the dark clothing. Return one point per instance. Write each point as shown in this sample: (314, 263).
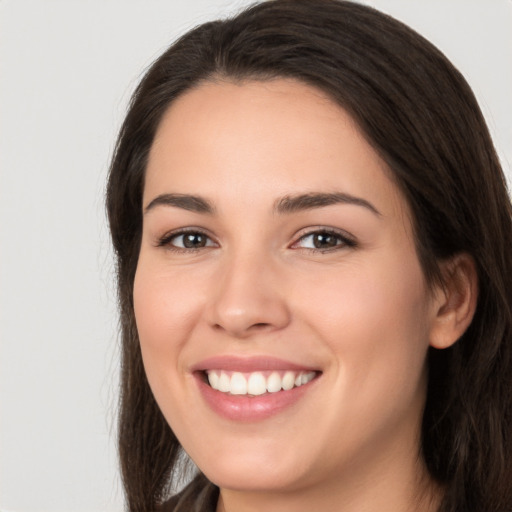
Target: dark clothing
(198, 496)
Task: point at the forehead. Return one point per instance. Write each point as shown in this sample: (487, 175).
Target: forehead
(269, 138)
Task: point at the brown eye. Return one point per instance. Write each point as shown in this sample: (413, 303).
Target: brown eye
(186, 240)
(193, 240)
(324, 240)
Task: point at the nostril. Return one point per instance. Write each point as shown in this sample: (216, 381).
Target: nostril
(257, 326)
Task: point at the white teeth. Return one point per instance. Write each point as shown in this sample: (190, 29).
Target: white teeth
(213, 379)
(224, 383)
(307, 377)
(238, 384)
(288, 381)
(255, 383)
(274, 383)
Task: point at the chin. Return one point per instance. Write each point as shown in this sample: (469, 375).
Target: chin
(244, 474)
(251, 481)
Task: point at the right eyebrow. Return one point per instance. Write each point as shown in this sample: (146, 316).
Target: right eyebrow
(185, 201)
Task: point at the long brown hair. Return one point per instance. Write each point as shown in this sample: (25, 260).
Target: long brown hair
(420, 115)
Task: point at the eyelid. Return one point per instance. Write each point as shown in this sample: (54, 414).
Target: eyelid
(347, 239)
(165, 240)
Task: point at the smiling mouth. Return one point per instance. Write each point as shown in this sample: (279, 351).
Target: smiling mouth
(257, 383)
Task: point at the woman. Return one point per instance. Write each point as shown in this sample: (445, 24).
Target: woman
(313, 233)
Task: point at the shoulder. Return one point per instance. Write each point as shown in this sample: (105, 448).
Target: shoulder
(198, 496)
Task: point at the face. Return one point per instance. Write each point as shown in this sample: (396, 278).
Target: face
(282, 312)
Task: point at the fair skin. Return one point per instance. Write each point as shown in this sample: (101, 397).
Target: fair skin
(332, 287)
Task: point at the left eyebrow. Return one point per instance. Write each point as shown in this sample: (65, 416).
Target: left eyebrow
(291, 204)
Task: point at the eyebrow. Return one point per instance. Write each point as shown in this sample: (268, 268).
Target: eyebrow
(185, 201)
(291, 204)
(284, 205)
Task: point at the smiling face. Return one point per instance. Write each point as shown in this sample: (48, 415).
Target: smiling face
(277, 253)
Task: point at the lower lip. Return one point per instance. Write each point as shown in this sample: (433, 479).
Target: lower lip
(246, 408)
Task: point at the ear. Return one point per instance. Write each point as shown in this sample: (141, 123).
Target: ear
(454, 302)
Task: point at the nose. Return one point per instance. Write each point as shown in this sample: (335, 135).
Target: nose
(248, 297)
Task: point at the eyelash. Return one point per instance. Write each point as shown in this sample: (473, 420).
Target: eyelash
(166, 240)
(343, 240)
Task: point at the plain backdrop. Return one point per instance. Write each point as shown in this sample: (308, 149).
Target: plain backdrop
(67, 69)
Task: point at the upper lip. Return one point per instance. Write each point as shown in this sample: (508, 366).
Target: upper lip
(248, 364)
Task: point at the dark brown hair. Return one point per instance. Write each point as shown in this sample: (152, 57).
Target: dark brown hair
(420, 115)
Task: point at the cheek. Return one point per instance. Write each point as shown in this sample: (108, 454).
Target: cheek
(165, 303)
(367, 298)
(374, 320)
(165, 313)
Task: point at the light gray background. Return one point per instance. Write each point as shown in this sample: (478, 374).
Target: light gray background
(67, 69)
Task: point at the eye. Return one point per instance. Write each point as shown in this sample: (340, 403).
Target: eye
(186, 240)
(324, 240)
